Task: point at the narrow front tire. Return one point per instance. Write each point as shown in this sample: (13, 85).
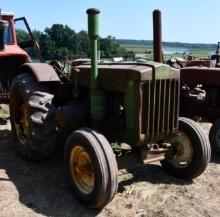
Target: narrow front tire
(190, 151)
(91, 167)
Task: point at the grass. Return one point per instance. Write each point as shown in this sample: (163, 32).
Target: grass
(140, 50)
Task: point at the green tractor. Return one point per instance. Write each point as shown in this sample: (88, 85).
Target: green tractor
(115, 115)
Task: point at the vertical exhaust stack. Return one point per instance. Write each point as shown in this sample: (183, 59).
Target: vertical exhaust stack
(157, 28)
(218, 56)
(93, 31)
(97, 99)
(3, 25)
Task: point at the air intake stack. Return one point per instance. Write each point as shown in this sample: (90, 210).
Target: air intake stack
(157, 28)
(97, 99)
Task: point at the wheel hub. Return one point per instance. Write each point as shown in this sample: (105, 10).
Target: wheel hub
(82, 170)
(182, 150)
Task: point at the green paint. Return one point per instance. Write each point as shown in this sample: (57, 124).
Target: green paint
(98, 106)
(98, 99)
(130, 104)
(94, 67)
(93, 23)
(163, 71)
(93, 30)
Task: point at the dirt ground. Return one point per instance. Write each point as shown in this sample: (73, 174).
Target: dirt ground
(41, 188)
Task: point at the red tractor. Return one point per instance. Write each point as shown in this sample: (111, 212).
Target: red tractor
(200, 89)
(200, 95)
(13, 53)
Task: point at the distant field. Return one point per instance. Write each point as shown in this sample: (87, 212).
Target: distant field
(140, 50)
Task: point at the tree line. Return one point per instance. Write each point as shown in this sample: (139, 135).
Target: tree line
(168, 44)
(60, 41)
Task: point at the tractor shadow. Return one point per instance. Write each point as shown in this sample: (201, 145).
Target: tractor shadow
(152, 173)
(42, 186)
(215, 158)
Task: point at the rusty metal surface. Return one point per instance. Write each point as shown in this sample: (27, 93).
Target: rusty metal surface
(200, 80)
(200, 75)
(78, 62)
(201, 88)
(43, 72)
(114, 76)
(160, 109)
(142, 157)
(156, 93)
(157, 30)
(205, 63)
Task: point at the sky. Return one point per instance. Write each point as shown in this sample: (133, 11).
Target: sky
(192, 21)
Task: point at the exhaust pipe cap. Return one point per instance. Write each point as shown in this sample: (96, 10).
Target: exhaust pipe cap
(93, 11)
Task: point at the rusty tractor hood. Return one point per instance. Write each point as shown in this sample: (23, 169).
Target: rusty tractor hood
(115, 76)
(14, 50)
(200, 75)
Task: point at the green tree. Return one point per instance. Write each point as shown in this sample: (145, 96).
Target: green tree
(62, 42)
(82, 48)
(22, 35)
(110, 48)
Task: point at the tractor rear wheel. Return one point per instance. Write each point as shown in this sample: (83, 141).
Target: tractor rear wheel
(190, 151)
(214, 136)
(91, 167)
(32, 117)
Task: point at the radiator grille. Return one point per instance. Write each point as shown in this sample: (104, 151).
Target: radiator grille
(160, 108)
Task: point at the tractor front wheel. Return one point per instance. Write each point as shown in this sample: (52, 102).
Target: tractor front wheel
(91, 167)
(189, 153)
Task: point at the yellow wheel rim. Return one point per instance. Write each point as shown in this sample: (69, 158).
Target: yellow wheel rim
(82, 169)
(22, 124)
(184, 150)
(24, 120)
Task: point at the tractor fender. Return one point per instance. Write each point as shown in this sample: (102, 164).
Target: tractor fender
(42, 72)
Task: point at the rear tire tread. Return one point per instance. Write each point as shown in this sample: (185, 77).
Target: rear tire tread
(41, 117)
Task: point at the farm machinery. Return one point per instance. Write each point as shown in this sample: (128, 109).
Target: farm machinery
(12, 51)
(200, 90)
(114, 115)
(213, 61)
(200, 95)
(187, 61)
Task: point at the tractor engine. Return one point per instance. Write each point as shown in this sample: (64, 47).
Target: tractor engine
(140, 104)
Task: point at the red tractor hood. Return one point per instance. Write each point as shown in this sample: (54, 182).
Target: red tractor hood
(14, 50)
